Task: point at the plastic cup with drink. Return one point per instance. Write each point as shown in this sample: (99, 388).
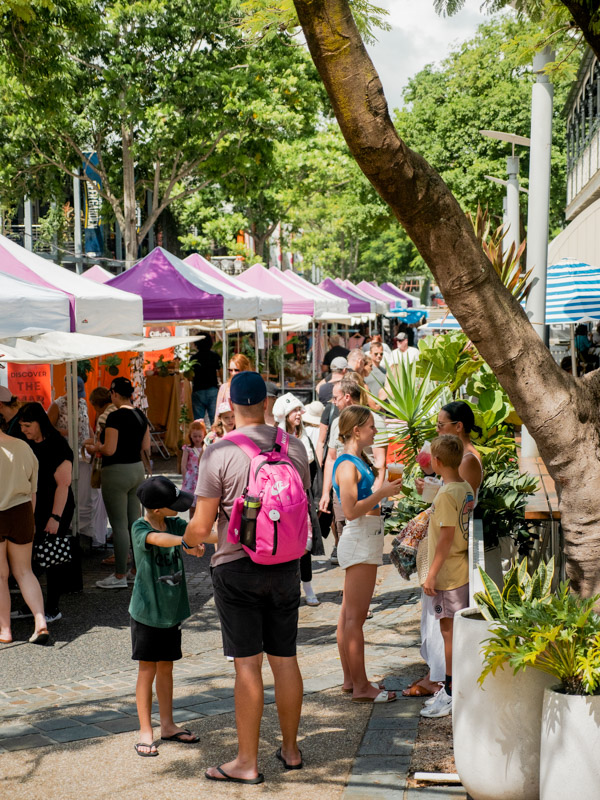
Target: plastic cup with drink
(424, 457)
(430, 488)
(395, 470)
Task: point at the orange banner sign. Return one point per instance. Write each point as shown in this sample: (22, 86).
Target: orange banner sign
(30, 382)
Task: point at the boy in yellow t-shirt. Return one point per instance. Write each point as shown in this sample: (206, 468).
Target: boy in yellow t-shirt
(447, 581)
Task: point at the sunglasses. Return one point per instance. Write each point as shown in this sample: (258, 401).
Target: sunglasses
(233, 369)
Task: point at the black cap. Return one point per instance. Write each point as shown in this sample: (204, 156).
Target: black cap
(160, 492)
(247, 389)
(122, 386)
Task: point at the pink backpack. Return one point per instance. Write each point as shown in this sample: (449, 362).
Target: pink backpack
(274, 500)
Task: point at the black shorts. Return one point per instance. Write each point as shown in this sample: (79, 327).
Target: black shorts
(258, 607)
(155, 644)
(17, 525)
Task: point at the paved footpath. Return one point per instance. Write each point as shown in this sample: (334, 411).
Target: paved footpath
(72, 738)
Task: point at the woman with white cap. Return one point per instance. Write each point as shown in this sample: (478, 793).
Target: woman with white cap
(288, 412)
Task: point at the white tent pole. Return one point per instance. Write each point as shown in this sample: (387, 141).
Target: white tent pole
(314, 358)
(281, 344)
(73, 433)
(225, 349)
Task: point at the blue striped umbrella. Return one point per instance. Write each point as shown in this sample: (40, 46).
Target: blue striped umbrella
(447, 323)
(572, 293)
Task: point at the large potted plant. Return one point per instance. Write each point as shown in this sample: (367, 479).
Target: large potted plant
(496, 726)
(560, 639)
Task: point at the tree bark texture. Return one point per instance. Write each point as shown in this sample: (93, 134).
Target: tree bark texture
(129, 230)
(561, 413)
(586, 19)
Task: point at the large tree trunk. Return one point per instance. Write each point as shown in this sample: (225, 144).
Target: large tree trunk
(561, 413)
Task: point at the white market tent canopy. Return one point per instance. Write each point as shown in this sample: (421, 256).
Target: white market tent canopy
(269, 305)
(572, 293)
(28, 309)
(95, 309)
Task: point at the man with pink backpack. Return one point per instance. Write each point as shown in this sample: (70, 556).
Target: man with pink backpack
(254, 482)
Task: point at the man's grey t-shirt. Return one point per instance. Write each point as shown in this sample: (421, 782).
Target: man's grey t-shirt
(224, 473)
(375, 380)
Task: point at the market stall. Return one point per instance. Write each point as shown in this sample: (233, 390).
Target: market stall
(394, 290)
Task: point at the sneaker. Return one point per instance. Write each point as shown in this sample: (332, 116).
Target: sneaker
(54, 617)
(130, 577)
(21, 614)
(333, 557)
(112, 582)
(431, 700)
(441, 706)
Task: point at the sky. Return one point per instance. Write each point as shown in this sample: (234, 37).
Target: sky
(418, 37)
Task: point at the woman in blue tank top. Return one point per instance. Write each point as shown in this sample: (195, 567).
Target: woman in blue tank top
(360, 547)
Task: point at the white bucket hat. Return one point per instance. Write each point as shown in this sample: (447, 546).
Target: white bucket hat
(313, 412)
(284, 405)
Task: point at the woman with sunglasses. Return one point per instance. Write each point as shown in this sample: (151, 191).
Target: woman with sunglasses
(237, 363)
(455, 418)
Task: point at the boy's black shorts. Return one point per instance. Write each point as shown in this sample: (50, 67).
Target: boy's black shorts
(155, 644)
(258, 607)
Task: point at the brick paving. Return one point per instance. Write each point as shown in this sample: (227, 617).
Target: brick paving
(102, 704)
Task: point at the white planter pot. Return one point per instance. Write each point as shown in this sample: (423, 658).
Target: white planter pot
(496, 727)
(570, 744)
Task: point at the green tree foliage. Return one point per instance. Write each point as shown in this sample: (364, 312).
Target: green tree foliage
(169, 93)
(476, 89)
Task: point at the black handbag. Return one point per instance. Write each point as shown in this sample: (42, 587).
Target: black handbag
(52, 550)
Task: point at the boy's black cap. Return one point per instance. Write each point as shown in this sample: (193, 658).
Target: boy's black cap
(160, 492)
(247, 389)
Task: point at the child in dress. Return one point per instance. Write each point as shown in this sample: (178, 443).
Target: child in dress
(224, 423)
(190, 461)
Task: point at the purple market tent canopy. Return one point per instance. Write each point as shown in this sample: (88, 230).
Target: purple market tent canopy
(166, 290)
(337, 307)
(95, 309)
(295, 300)
(395, 291)
(270, 306)
(379, 306)
(356, 304)
(379, 294)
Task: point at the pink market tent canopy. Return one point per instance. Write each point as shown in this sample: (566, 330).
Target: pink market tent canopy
(269, 305)
(356, 304)
(295, 300)
(378, 306)
(95, 309)
(394, 290)
(166, 293)
(336, 305)
(47, 309)
(97, 274)
(380, 294)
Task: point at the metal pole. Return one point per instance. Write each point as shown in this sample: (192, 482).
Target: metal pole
(77, 222)
(538, 207)
(314, 359)
(28, 223)
(513, 235)
(281, 344)
(505, 224)
(225, 350)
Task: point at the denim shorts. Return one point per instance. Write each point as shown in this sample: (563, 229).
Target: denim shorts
(258, 607)
(361, 542)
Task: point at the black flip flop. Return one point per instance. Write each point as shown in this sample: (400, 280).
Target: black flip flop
(141, 752)
(260, 778)
(177, 737)
(284, 762)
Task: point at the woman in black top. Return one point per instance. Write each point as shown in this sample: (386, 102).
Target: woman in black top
(125, 436)
(207, 371)
(54, 503)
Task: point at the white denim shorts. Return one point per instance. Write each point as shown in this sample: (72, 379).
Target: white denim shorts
(361, 542)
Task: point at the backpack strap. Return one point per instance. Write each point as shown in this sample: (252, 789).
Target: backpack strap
(244, 443)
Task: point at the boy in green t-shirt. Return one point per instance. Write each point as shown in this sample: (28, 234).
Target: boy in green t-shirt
(159, 604)
(447, 580)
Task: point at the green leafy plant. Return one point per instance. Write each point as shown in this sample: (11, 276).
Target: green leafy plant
(518, 587)
(161, 367)
(450, 359)
(502, 501)
(559, 635)
(186, 366)
(112, 363)
(84, 367)
(413, 401)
